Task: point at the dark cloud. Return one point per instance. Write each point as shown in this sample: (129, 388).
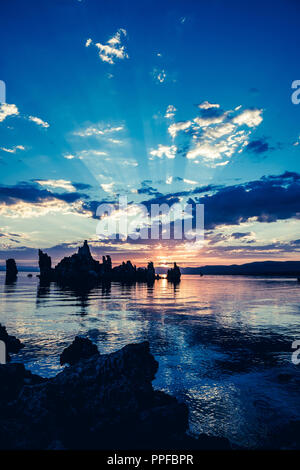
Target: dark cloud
(269, 199)
(148, 190)
(238, 235)
(258, 146)
(81, 186)
(31, 193)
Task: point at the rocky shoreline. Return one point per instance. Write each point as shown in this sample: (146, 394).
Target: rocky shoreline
(101, 401)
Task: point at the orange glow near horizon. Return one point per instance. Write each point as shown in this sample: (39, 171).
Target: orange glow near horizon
(164, 258)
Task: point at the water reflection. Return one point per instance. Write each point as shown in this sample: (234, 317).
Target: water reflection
(223, 343)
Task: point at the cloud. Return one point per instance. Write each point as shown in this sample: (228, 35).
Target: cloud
(216, 134)
(28, 200)
(39, 121)
(64, 184)
(159, 75)
(258, 146)
(98, 130)
(113, 49)
(7, 110)
(170, 113)
(269, 199)
(13, 149)
(107, 187)
(69, 156)
(238, 235)
(178, 126)
(249, 117)
(207, 105)
(164, 150)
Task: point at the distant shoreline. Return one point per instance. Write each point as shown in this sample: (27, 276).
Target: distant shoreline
(258, 268)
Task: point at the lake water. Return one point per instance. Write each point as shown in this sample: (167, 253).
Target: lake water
(223, 343)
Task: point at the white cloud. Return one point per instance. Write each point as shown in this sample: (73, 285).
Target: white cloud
(208, 105)
(24, 210)
(69, 156)
(13, 149)
(90, 152)
(170, 113)
(129, 163)
(64, 184)
(164, 150)
(189, 181)
(207, 121)
(98, 130)
(216, 134)
(39, 121)
(159, 75)
(107, 187)
(249, 117)
(297, 142)
(206, 151)
(8, 110)
(179, 126)
(113, 49)
(115, 141)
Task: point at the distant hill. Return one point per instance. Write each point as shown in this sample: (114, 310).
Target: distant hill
(26, 269)
(259, 268)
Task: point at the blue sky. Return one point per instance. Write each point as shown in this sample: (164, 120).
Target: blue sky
(156, 100)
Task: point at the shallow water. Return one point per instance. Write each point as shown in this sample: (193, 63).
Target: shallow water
(222, 342)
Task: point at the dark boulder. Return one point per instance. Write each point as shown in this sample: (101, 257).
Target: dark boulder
(81, 348)
(13, 344)
(13, 377)
(103, 402)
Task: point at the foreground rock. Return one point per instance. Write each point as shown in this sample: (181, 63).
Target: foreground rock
(103, 402)
(81, 348)
(11, 270)
(81, 269)
(13, 344)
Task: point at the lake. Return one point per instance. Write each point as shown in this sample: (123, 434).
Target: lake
(223, 343)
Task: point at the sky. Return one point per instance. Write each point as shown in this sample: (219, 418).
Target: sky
(159, 101)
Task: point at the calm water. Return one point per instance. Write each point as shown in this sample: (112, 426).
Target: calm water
(223, 343)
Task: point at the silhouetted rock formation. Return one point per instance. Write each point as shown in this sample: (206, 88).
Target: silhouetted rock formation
(11, 270)
(46, 271)
(126, 272)
(103, 402)
(174, 274)
(81, 270)
(81, 348)
(13, 344)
